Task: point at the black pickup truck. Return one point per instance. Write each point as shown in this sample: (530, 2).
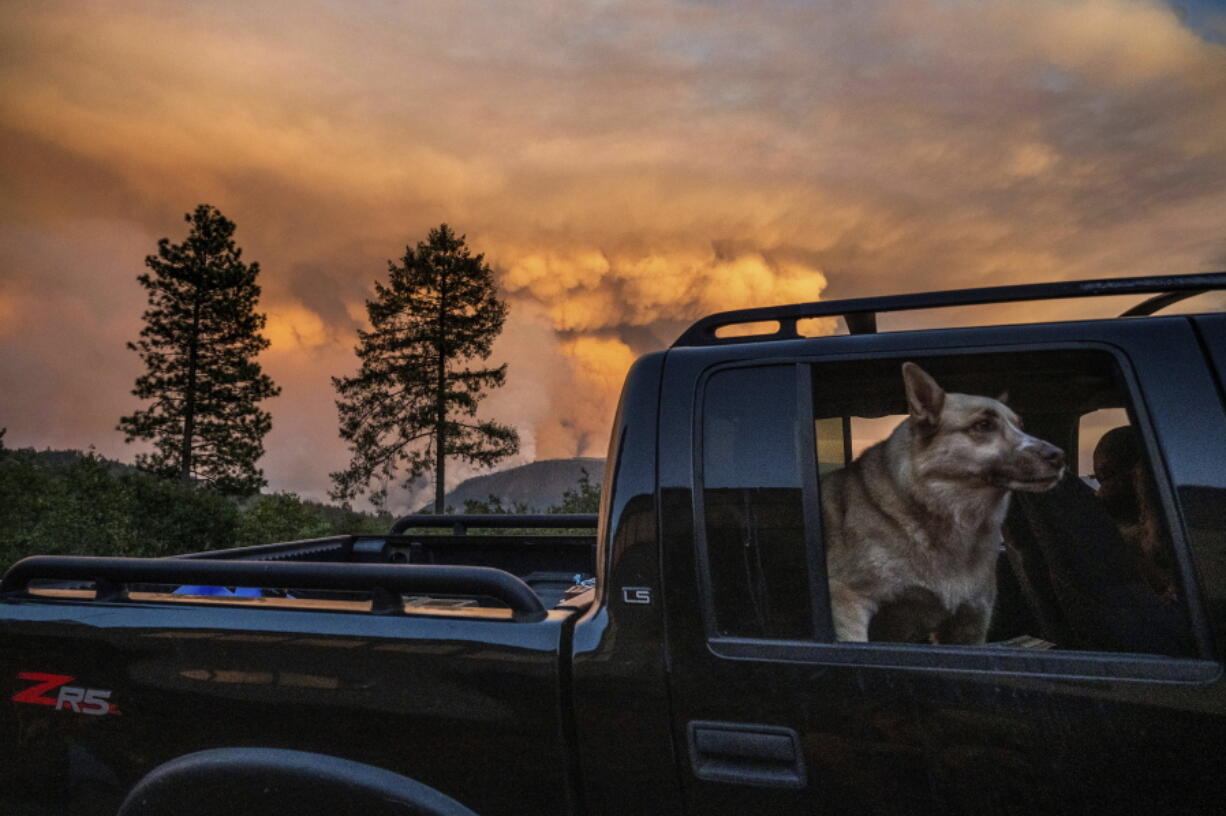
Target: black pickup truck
(682, 660)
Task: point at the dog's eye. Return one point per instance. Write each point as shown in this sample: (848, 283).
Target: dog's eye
(984, 426)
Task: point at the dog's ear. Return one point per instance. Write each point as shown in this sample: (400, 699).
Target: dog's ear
(1004, 397)
(925, 398)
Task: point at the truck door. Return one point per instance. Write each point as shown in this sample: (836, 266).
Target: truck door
(1098, 688)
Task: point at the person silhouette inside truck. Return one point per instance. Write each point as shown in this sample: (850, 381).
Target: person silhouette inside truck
(1130, 496)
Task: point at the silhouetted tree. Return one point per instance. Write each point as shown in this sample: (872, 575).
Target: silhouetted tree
(494, 506)
(414, 399)
(199, 343)
(279, 517)
(583, 498)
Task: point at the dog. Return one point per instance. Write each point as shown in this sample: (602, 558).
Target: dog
(913, 525)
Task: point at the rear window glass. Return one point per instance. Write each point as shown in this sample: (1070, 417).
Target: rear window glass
(753, 503)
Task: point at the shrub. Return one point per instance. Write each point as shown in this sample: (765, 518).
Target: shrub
(84, 508)
(280, 517)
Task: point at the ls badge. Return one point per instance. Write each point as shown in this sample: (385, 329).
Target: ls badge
(636, 595)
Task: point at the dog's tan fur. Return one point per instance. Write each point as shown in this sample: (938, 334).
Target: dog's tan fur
(913, 526)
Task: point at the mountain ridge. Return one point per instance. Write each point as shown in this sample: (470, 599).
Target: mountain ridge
(539, 484)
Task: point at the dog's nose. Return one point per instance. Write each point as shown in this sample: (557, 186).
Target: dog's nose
(1053, 456)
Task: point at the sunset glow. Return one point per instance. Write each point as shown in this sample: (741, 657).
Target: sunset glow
(626, 167)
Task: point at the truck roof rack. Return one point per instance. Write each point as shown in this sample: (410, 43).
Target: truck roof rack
(860, 314)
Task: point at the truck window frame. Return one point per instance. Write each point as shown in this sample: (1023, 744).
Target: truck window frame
(822, 649)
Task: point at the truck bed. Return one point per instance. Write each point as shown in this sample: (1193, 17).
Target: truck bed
(551, 554)
(438, 657)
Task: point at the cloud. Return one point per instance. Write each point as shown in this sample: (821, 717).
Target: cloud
(626, 167)
(65, 374)
(292, 327)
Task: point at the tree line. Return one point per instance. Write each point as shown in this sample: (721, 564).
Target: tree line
(69, 503)
(410, 407)
(76, 504)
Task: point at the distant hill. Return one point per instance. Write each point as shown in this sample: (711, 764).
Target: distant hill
(64, 458)
(539, 485)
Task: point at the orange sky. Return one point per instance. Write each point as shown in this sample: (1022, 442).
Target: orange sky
(626, 166)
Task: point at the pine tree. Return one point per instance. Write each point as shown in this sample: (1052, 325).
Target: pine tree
(414, 399)
(199, 343)
(584, 497)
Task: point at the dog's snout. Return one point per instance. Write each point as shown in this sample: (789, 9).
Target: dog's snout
(1053, 456)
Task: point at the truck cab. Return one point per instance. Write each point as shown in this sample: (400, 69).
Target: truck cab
(1100, 685)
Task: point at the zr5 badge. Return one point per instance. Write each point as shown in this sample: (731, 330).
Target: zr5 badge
(95, 702)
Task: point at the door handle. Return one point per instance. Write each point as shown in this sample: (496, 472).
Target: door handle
(747, 754)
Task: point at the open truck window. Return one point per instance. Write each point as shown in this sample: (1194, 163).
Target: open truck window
(1088, 564)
